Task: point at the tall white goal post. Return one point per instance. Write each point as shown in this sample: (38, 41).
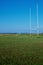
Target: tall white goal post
(37, 26)
(37, 21)
(30, 21)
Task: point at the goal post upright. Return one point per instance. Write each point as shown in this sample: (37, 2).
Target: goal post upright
(30, 22)
(37, 21)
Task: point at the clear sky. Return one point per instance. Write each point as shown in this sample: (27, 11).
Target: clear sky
(14, 16)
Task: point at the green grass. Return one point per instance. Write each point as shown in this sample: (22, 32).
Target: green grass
(21, 49)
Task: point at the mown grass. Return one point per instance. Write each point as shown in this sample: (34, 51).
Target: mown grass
(21, 50)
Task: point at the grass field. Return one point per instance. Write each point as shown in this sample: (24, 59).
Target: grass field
(20, 49)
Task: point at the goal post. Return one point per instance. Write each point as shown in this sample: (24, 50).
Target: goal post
(30, 21)
(37, 21)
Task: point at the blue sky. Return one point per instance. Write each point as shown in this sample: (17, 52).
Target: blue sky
(14, 16)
